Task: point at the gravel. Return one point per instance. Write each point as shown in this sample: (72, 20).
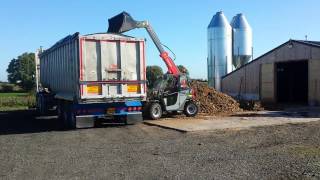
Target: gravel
(36, 149)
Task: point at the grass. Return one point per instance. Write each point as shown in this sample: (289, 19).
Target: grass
(16, 101)
(13, 94)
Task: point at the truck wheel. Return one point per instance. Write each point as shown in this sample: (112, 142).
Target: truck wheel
(41, 104)
(60, 112)
(64, 115)
(67, 117)
(155, 111)
(71, 117)
(191, 109)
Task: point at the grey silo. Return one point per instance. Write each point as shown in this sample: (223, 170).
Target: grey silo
(242, 41)
(219, 49)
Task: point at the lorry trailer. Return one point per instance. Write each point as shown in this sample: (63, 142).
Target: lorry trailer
(92, 77)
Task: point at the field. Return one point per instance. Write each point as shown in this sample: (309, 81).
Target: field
(16, 101)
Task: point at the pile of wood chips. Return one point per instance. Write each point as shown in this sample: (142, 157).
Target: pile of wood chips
(213, 102)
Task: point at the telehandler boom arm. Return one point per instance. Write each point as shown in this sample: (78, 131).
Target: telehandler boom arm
(123, 22)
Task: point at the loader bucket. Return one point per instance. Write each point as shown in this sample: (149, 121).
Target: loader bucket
(121, 23)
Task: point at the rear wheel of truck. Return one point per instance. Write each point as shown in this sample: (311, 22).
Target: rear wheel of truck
(155, 111)
(71, 117)
(67, 117)
(60, 113)
(191, 109)
(41, 104)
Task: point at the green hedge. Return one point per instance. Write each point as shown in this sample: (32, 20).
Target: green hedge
(17, 101)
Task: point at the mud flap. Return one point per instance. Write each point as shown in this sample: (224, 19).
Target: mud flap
(134, 118)
(85, 122)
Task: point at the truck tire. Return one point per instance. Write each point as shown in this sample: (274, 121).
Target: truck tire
(70, 116)
(190, 109)
(67, 116)
(60, 112)
(64, 115)
(155, 111)
(41, 104)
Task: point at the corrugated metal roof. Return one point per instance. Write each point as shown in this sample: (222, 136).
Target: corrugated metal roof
(314, 43)
(309, 43)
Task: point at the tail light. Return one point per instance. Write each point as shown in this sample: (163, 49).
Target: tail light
(138, 108)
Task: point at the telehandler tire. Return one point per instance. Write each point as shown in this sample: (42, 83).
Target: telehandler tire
(155, 111)
(191, 109)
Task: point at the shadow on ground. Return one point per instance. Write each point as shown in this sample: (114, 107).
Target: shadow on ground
(26, 121)
(286, 114)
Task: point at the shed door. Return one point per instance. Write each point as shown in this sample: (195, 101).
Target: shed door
(267, 92)
(314, 82)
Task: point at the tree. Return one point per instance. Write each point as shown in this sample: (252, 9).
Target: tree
(153, 73)
(21, 71)
(183, 69)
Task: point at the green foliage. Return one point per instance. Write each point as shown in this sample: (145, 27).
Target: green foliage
(183, 69)
(153, 73)
(14, 101)
(21, 71)
(14, 94)
(6, 87)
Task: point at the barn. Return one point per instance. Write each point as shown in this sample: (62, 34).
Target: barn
(289, 73)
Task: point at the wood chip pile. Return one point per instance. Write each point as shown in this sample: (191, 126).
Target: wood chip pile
(214, 102)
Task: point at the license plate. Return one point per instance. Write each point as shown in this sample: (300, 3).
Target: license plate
(111, 110)
(132, 88)
(94, 89)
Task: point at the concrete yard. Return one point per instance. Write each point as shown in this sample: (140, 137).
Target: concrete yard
(35, 148)
(238, 121)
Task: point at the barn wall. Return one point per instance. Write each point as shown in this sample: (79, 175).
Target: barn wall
(249, 76)
(314, 82)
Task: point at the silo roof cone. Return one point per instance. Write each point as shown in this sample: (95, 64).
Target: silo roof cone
(240, 22)
(219, 20)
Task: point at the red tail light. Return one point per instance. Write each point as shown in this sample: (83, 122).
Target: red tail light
(138, 108)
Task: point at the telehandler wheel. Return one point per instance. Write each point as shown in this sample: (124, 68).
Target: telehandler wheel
(155, 111)
(191, 109)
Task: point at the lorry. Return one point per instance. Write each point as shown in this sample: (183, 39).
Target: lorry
(90, 77)
(102, 77)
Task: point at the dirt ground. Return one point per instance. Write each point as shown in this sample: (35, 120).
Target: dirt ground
(34, 148)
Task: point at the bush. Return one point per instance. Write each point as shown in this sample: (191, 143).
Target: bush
(18, 101)
(7, 87)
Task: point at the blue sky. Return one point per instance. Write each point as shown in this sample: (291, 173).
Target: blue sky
(181, 25)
